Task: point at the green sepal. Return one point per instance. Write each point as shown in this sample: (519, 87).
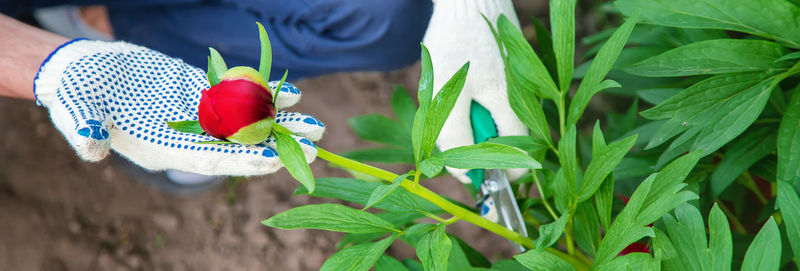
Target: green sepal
(188, 126)
(216, 67)
(278, 88)
(254, 133)
(265, 64)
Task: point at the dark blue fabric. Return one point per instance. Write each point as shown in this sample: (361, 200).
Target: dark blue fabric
(309, 37)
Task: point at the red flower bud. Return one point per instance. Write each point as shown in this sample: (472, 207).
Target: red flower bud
(240, 108)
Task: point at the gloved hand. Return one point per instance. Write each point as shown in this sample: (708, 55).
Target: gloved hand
(118, 95)
(456, 34)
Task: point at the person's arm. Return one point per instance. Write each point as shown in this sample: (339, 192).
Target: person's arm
(22, 50)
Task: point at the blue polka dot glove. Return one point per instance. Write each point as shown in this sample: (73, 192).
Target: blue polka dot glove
(116, 95)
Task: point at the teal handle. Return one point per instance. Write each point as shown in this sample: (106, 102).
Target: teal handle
(483, 129)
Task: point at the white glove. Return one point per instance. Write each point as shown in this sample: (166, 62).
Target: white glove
(118, 95)
(456, 34)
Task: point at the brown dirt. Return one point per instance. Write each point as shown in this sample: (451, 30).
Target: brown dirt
(58, 212)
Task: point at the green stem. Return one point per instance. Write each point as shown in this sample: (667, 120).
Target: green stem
(429, 195)
(453, 209)
(561, 115)
(751, 184)
(568, 234)
(451, 220)
(737, 225)
(543, 196)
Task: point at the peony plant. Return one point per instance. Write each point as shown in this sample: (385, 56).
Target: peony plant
(595, 198)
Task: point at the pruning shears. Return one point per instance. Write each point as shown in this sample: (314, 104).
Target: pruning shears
(494, 197)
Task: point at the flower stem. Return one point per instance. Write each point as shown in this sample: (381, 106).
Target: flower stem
(429, 195)
(458, 212)
(542, 195)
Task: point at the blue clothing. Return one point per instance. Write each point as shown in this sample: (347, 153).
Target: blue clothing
(309, 37)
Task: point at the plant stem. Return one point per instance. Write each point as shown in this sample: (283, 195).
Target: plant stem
(451, 220)
(568, 234)
(542, 195)
(561, 115)
(737, 225)
(429, 195)
(453, 209)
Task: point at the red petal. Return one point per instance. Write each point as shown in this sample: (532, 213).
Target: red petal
(232, 104)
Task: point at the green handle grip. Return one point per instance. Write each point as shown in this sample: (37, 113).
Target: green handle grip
(483, 129)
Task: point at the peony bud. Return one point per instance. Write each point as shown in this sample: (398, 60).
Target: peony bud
(239, 108)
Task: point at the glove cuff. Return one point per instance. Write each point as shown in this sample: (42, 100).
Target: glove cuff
(48, 79)
(490, 8)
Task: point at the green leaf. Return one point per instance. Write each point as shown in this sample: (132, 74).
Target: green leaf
(603, 200)
(541, 260)
(655, 196)
(403, 106)
(383, 191)
(486, 155)
(508, 265)
(523, 62)
(789, 56)
(764, 252)
(330, 217)
(562, 14)
(433, 249)
(526, 106)
(712, 57)
(424, 95)
(567, 150)
(739, 113)
(389, 263)
(789, 203)
(458, 259)
(549, 233)
(544, 42)
(789, 143)
(720, 240)
(715, 110)
(688, 235)
(440, 108)
(216, 67)
(562, 190)
(188, 126)
(623, 231)
(358, 191)
(292, 157)
(265, 63)
(532, 145)
(607, 159)
(358, 257)
(381, 129)
(632, 261)
(664, 250)
(765, 18)
(586, 228)
(278, 87)
(741, 155)
(475, 258)
(657, 95)
(431, 166)
(665, 193)
(413, 265)
(598, 70)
